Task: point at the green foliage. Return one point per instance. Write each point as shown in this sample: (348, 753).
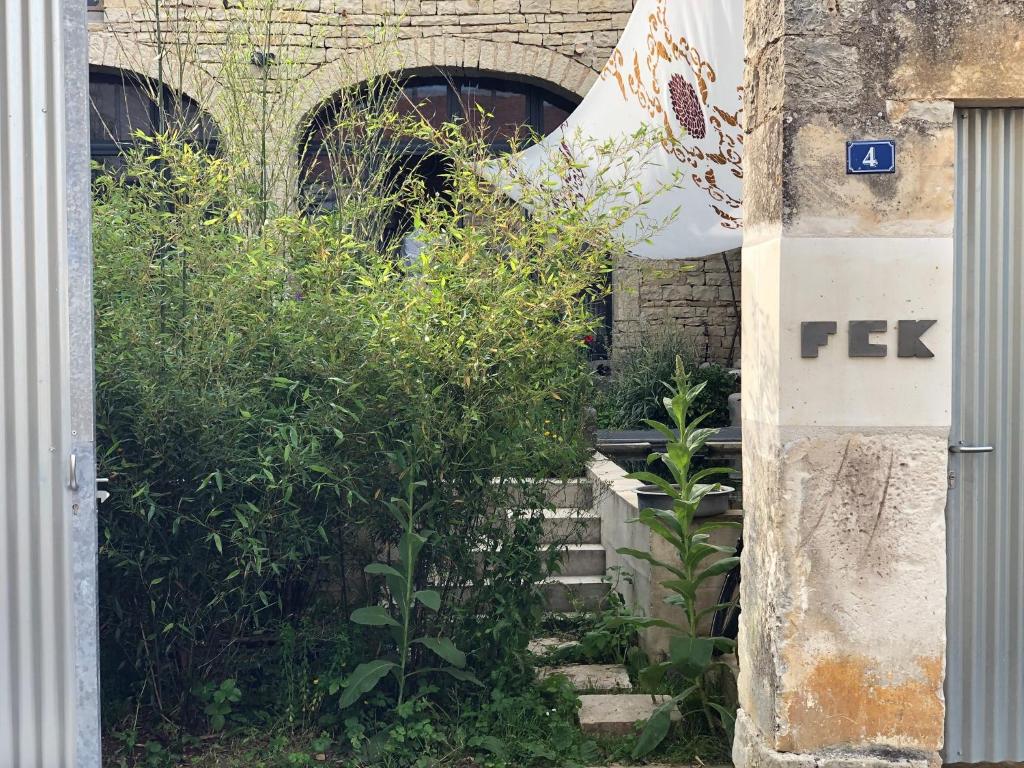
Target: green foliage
(219, 701)
(256, 371)
(642, 380)
(406, 602)
(224, 445)
(301, 426)
(603, 637)
(691, 657)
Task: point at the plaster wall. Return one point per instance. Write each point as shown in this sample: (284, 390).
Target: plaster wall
(842, 645)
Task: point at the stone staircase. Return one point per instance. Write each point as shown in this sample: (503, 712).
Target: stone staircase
(580, 584)
(608, 704)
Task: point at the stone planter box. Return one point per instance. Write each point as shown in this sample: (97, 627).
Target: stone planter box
(615, 500)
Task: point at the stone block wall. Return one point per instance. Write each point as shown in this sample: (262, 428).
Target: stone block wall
(582, 31)
(700, 298)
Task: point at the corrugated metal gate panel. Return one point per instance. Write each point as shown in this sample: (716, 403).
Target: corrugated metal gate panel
(47, 668)
(985, 668)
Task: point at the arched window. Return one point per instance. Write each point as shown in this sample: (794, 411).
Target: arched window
(517, 111)
(513, 106)
(123, 103)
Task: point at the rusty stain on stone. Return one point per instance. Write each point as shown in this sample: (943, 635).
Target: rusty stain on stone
(849, 700)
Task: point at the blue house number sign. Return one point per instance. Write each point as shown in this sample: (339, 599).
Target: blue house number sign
(871, 156)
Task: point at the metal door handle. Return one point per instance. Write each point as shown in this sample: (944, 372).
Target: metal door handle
(73, 473)
(961, 448)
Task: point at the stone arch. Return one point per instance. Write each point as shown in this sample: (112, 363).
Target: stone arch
(119, 52)
(552, 70)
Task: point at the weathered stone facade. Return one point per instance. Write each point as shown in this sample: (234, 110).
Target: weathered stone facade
(698, 298)
(552, 41)
(843, 636)
(557, 44)
(583, 30)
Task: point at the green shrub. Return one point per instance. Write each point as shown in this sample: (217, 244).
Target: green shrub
(257, 371)
(641, 381)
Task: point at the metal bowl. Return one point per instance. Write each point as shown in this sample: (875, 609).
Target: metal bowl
(713, 503)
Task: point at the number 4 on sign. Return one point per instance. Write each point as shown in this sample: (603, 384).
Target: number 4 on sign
(871, 156)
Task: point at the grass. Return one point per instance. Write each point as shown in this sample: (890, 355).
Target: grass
(244, 748)
(687, 744)
(532, 728)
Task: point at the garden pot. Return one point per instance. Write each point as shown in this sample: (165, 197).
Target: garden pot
(714, 503)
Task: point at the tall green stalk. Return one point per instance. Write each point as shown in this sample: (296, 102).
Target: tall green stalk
(691, 656)
(404, 599)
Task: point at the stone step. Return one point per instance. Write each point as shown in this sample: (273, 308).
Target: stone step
(596, 678)
(575, 560)
(542, 646)
(574, 593)
(616, 714)
(583, 560)
(571, 525)
(576, 493)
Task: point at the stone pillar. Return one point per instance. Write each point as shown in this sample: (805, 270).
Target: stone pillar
(842, 643)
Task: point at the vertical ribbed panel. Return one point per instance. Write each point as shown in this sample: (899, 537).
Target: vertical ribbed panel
(985, 668)
(39, 695)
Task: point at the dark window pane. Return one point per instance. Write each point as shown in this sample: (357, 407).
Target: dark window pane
(118, 109)
(554, 116)
(103, 118)
(138, 112)
(122, 106)
(503, 112)
(429, 101)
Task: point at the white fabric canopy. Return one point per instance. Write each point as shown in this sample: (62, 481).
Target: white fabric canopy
(677, 73)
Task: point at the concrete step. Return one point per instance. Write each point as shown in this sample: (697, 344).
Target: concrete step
(593, 678)
(571, 525)
(576, 493)
(575, 560)
(574, 593)
(583, 560)
(616, 714)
